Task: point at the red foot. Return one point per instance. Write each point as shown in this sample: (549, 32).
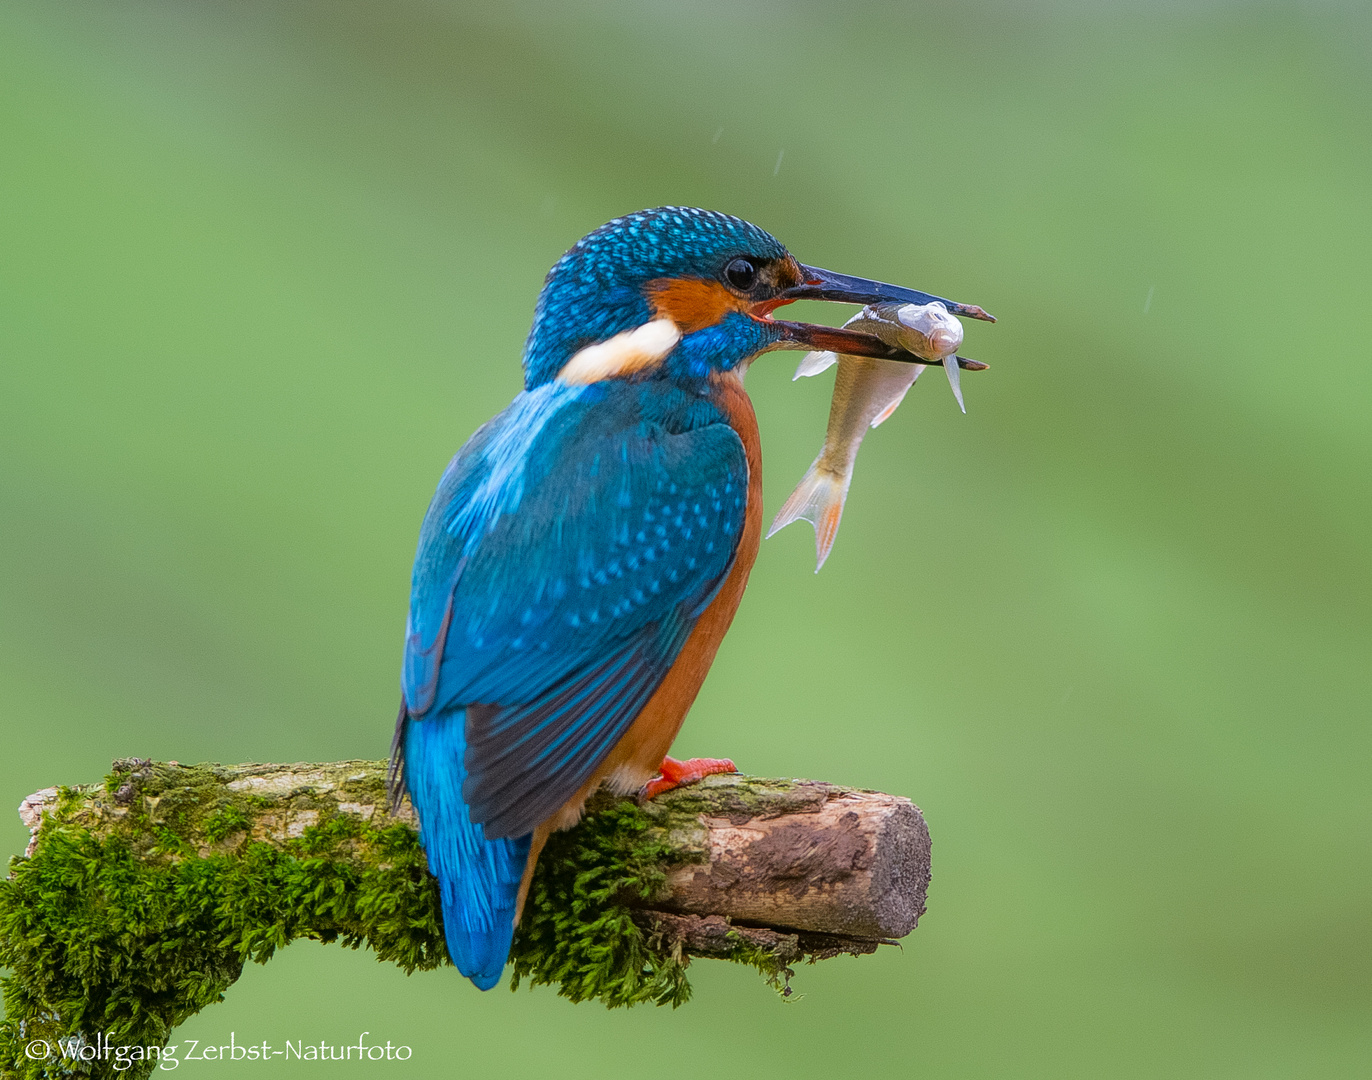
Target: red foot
(676, 773)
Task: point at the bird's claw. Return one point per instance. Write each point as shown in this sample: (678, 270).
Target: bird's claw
(673, 773)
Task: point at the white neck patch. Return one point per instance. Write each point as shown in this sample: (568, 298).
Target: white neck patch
(625, 353)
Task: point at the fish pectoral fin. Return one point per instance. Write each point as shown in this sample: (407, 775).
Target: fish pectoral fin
(812, 363)
(950, 366)
(818, 499)
(885, 413)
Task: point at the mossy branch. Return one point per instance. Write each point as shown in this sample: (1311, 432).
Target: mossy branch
(140, 899)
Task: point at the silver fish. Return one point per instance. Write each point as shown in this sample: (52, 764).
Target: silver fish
(866, 392)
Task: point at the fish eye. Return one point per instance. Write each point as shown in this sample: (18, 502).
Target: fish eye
(741, 274)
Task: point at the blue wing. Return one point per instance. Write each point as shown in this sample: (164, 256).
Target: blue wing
(566, 556)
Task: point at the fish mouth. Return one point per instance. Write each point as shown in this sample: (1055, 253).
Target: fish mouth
(817, 284)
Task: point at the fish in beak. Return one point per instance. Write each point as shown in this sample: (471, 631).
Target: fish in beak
(817, 284)
(867, 390)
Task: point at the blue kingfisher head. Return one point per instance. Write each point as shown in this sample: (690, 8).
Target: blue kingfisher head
(684, 293)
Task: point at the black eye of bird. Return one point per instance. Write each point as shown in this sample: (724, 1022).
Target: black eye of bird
(741, 274)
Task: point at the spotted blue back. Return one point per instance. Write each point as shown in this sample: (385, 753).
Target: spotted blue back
(570, 549)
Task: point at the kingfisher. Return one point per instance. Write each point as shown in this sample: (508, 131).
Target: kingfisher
(587, 548)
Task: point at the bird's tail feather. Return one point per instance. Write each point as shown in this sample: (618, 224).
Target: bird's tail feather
(818, 499)
(395, 771)
(478, 878)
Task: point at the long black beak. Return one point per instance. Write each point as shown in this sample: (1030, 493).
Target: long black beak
(826, 285)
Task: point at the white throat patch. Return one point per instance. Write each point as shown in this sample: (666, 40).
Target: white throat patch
(625, 353)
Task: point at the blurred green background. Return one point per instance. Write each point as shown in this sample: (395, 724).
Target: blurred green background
(264, 266)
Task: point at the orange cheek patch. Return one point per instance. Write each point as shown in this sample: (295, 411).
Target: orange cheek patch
(692, 303)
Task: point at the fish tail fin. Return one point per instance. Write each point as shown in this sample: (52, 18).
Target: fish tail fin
(812, 363)
(478, 878)
(818, 499)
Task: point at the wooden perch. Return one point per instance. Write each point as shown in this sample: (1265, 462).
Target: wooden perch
(847, 869)
(775, 856)
(220, 864)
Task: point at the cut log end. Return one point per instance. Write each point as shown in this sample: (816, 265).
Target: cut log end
(818, 858)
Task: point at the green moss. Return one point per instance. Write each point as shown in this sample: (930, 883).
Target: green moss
(772, 968)
(225, 821)
(99, 940)
(147, 893)
(127, 926)
(578, 934)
